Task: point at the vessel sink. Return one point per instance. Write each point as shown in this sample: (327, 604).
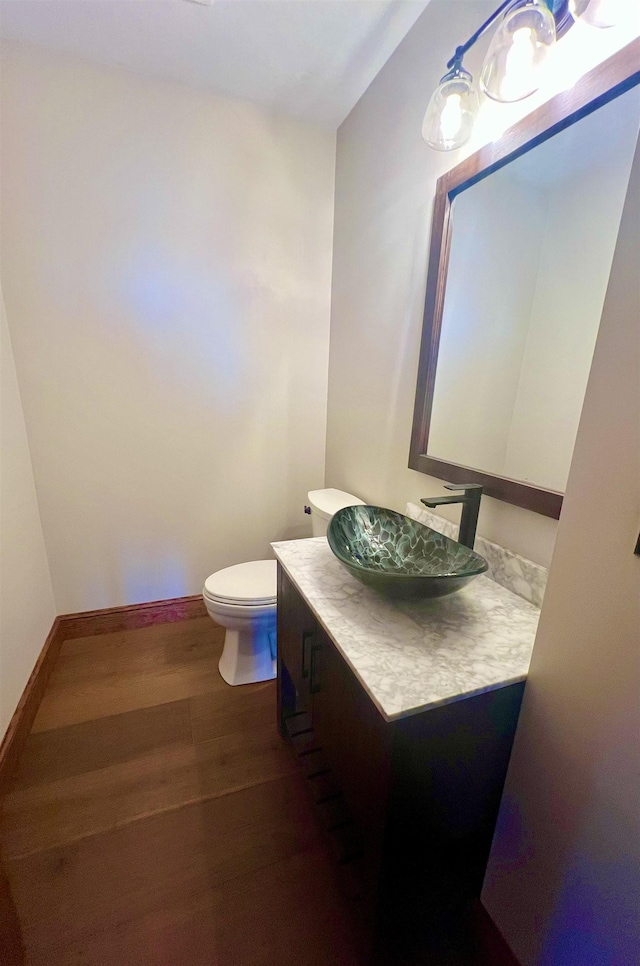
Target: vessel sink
(399, 556)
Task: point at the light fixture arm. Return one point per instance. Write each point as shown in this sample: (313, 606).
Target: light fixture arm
(456, 60)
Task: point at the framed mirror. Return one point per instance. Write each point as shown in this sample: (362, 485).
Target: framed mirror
(522, 239)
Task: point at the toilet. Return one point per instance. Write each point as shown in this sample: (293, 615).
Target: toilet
(243, 599)
(324, 503)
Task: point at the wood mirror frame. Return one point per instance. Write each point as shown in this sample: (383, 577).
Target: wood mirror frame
(605, 82)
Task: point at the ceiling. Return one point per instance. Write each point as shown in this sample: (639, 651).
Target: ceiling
(310, 59)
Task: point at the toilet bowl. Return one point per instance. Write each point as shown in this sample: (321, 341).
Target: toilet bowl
(242, 599)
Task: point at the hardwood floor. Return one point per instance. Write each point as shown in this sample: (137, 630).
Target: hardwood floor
(158, 819)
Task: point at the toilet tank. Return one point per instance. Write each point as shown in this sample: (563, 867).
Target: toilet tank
(324, 503)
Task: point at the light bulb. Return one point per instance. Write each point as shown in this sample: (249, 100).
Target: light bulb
(599, 13)
(452, 110)
(519, 64)
(451, 118)
(517, 51)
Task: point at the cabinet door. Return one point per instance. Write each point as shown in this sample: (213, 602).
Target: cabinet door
(296, 636)
(356, 741)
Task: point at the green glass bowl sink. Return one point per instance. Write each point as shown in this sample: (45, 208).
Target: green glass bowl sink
(399, 556)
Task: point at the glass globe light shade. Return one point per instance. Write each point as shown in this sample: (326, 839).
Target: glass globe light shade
(450, 115)
(598, 13)
(518, 50)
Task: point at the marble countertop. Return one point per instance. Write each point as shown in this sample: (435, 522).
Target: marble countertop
(414, 655)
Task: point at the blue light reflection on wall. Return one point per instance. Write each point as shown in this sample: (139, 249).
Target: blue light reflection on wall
(590, 915)
(186, 314)
(592, 925)
(152, 576)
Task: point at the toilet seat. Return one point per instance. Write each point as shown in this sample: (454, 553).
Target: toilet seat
(252, 584)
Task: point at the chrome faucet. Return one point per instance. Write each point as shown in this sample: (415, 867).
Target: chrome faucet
(470, 500)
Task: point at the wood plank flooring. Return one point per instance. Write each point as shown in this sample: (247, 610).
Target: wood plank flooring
(158, 819)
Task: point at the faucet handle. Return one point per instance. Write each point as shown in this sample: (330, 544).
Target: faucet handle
(462, 486)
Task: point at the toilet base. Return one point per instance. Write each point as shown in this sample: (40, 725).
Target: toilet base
(249, 655)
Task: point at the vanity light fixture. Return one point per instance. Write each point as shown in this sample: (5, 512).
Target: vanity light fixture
(511, 70)
(517, 51)
(452, 110)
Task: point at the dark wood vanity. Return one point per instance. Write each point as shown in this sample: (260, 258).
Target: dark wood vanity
(409, 804)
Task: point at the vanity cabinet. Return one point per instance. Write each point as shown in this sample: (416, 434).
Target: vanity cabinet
(422, 790)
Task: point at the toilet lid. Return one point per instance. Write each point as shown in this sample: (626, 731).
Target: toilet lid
(253, 582)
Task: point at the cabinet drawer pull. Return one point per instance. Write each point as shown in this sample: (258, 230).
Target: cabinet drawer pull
(308, 638)
(314, 684)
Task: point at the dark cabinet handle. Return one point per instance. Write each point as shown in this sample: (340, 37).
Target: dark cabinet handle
(314, 684)
(308, 638)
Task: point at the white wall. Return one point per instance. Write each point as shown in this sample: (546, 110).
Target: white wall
(385, 183)
(27, 608)
(167, 271)
(563, 882)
